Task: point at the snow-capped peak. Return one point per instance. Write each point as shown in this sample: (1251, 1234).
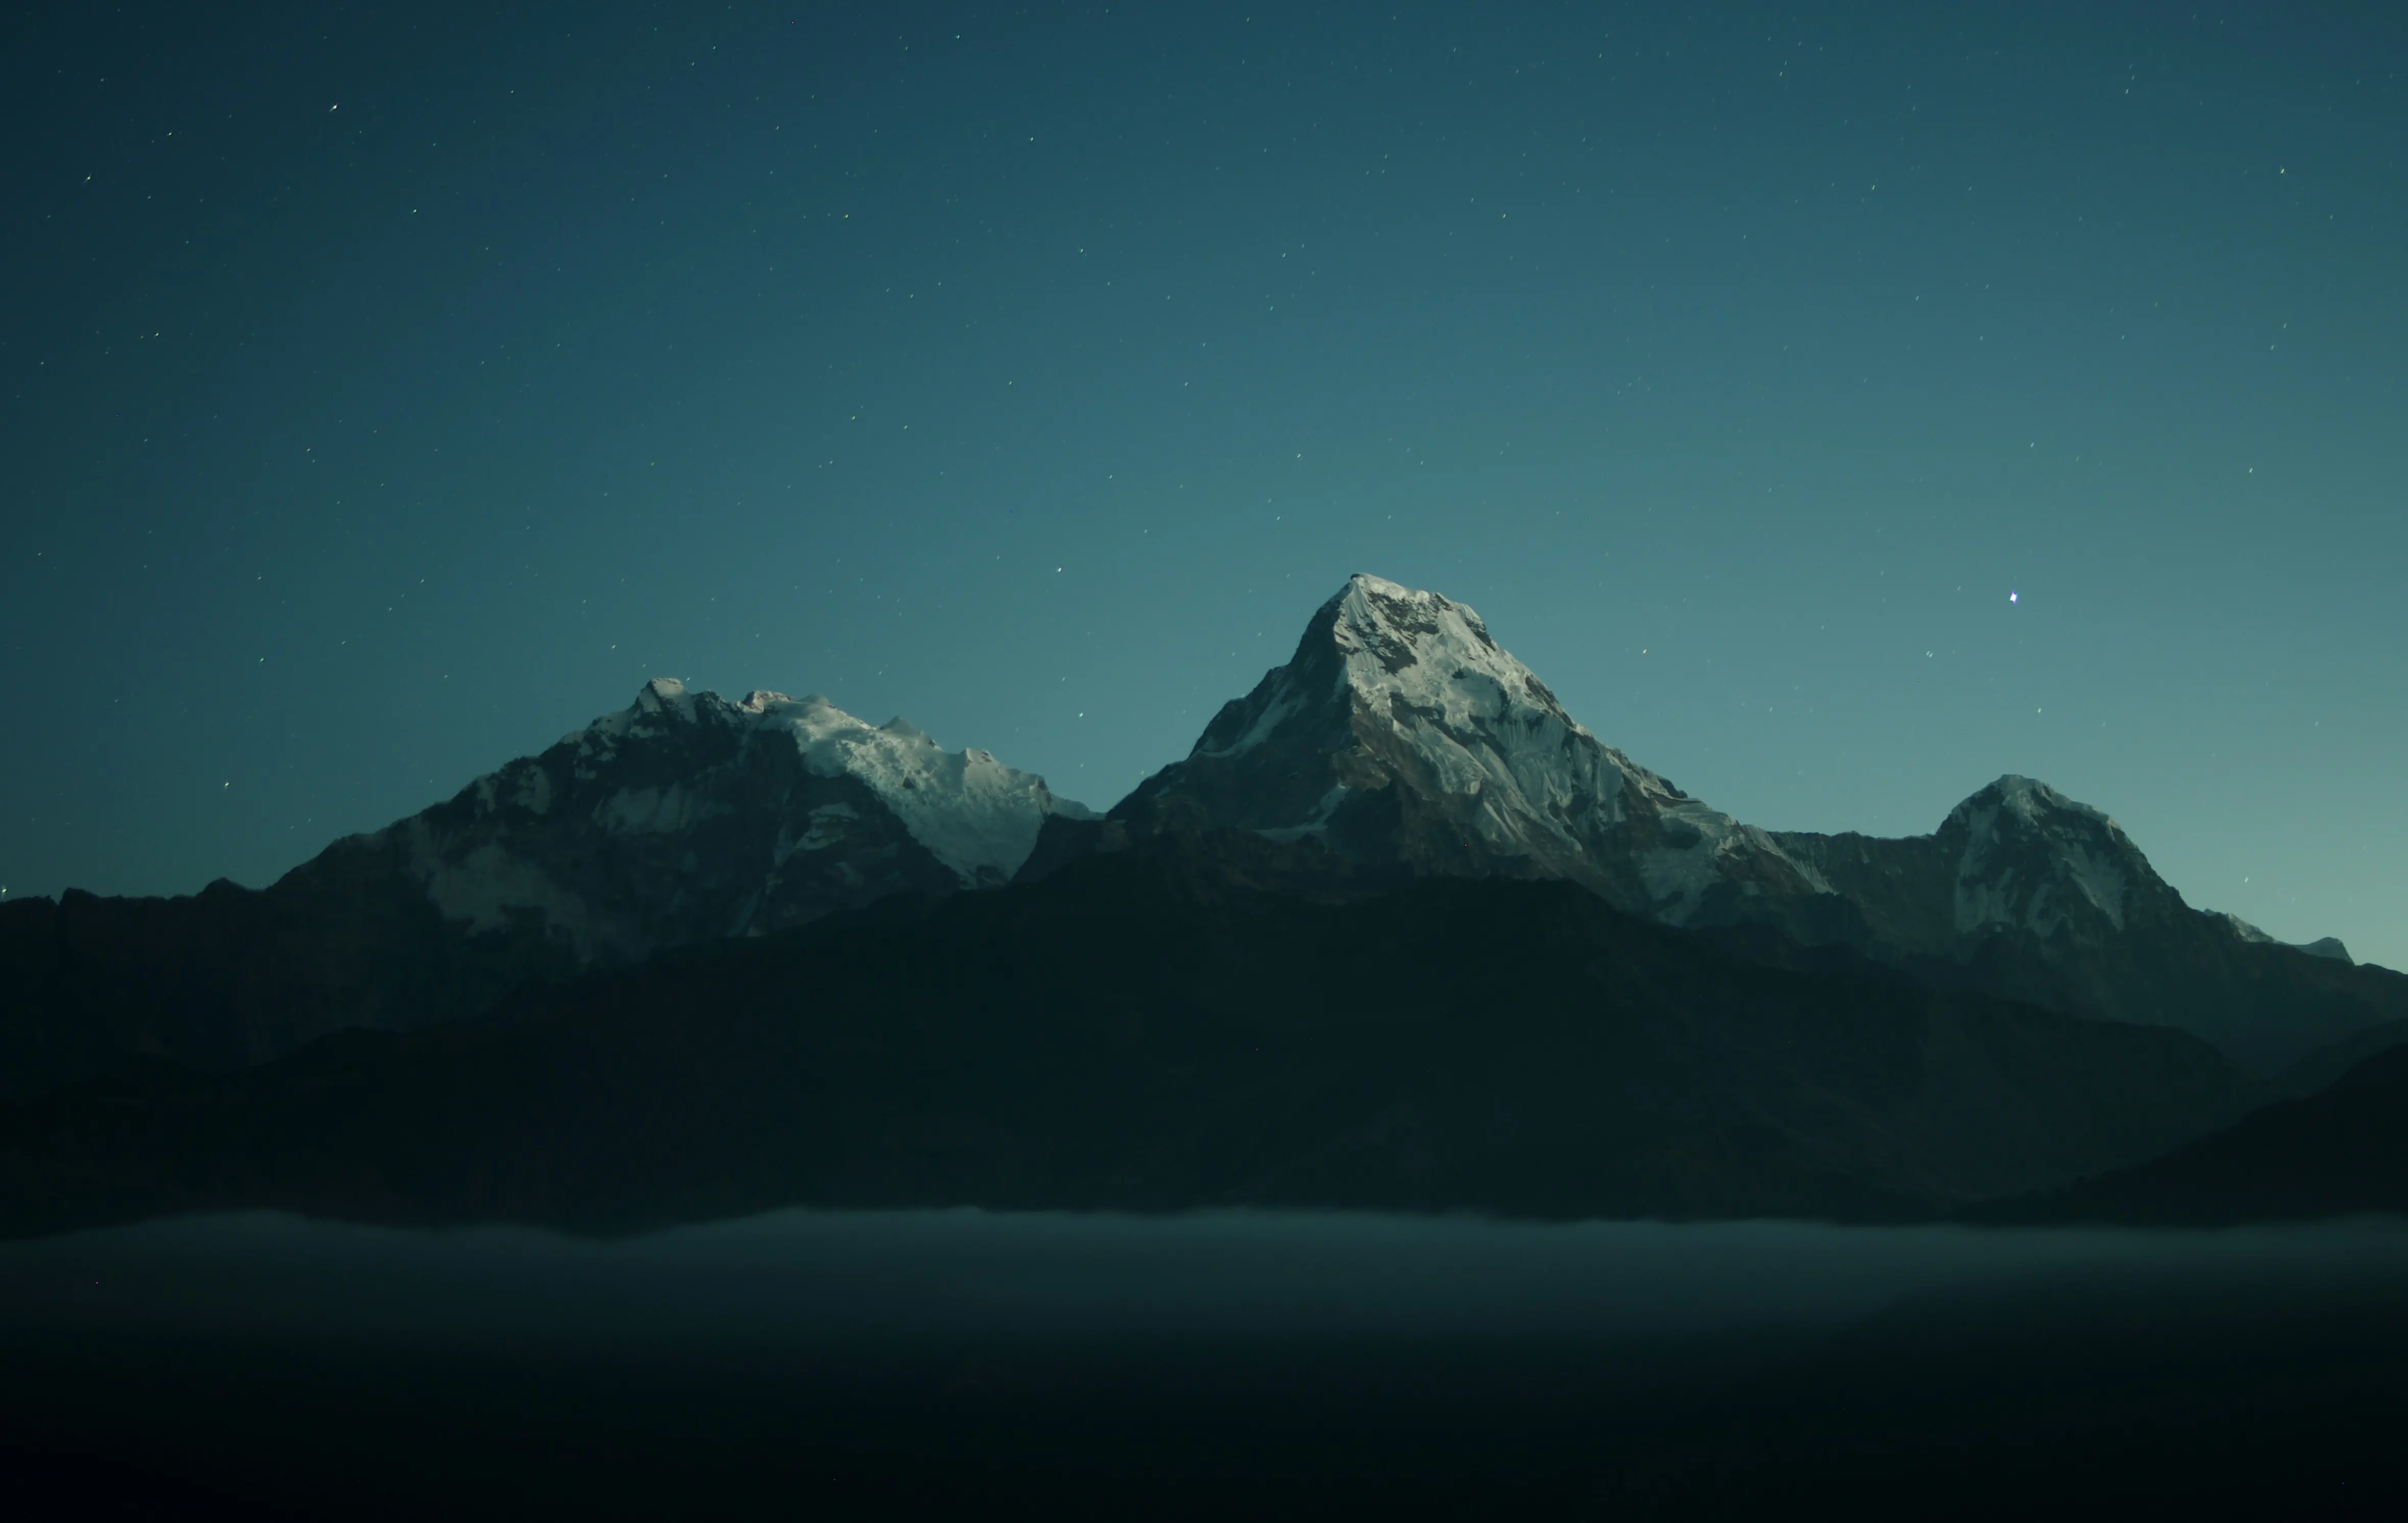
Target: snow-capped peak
(665, 695)
(1403, 694)
(1421, 649)
(1396, 650)
(684, 816)
(2036, 859)
(2030, 799)
(662, 701)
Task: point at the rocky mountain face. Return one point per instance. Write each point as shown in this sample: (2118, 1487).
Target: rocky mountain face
(687, 817)
(2024, 893)
(683, 818)
(1401, 733)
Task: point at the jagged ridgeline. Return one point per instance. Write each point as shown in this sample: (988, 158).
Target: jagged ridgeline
(1401, 740)
(683, 818)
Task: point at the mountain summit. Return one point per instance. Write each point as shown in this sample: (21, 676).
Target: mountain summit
(1402, 732)
(2018, 856)
(685, 818)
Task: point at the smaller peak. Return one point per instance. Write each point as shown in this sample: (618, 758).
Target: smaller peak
(664, 694)
(2015, 785)
(2028, 797)
(762, 700)
(903, 729)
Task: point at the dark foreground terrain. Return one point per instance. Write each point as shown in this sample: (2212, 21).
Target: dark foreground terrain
(2343, 1150)
(1158, 1030)
(806, 1364)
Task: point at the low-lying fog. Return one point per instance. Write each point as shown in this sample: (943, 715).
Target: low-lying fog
(1683, 1364)
(803, 1279)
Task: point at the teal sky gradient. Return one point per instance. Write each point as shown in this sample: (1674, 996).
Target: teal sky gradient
(389, 391)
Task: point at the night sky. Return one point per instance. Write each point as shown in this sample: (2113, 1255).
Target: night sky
(1838, 406)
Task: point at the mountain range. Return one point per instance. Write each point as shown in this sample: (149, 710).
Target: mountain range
(1402, 732)
(1401, 766)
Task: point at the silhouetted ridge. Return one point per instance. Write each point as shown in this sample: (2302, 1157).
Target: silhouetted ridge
(1213, 1019)
(2341, 1151)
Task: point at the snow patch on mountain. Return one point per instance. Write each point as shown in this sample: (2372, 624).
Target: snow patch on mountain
(1434, 657)
(2034, 858)
(1487, 727)
(975, 814)
(1684, 875)
(2325, 946)
(2244, 929)
(487, 886)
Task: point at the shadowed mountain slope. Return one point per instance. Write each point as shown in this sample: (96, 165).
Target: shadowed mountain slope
(1219, 1020)
(2341, 1151)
